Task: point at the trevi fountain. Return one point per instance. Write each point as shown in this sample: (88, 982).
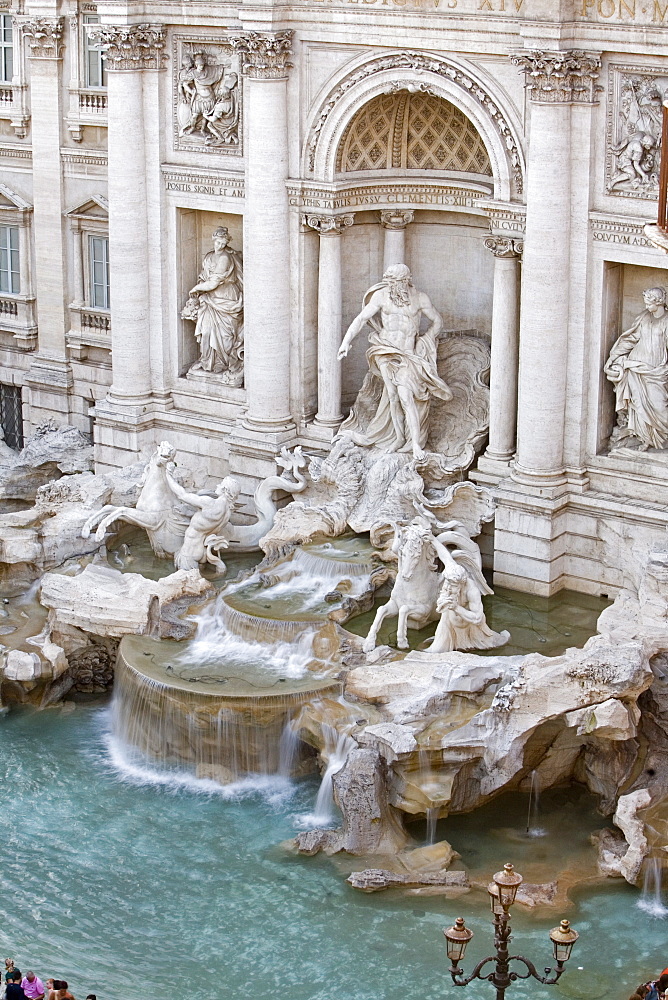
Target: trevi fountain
(333, 493)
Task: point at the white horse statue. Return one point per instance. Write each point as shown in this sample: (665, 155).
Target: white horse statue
(422, 593)
(157, 508)
(415, 591)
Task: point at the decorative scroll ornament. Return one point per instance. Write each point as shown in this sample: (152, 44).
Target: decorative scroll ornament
(503, 246)
(45, 36)
(561, 77)
(396, 218)
(328, 225)
(264, 54)
(131, 46)
(417, 62)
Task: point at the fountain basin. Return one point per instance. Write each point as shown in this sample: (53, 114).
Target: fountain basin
(223, 720)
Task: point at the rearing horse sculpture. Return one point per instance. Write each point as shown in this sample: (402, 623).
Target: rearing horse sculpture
(413, 596)
(158, 511)
(155, 510)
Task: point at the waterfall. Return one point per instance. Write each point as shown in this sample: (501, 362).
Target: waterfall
(533, 830)
(432, 820)
(336, 750)
(218, 738)
(651, 900)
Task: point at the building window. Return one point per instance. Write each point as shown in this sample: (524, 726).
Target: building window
(10, 277)
(98, 248)
(11, 415)
(95, 69)
(6, 48)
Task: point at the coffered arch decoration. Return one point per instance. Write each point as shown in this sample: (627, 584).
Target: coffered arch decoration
(426, 76)
(411, 131)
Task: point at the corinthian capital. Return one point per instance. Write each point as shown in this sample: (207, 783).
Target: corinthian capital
(45, 36)
(131, 46)
(329, 225)
(503, 246)
(264, 54)
(561, 77)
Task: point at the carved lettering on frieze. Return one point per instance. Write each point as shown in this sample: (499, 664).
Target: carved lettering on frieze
(187, 182)
(620, 233)
(387, 194)
(207, 95)
(633, 140)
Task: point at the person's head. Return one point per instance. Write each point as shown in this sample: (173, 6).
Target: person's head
(398, 278)
(229, 486)
(15, 977)
(654, 297)
(56, 984)
(49, 984)
(662, 982)
(30, 975)
(221, 238)
(648, 141)
(91, 996)
(200, 60)
(230, 80)
(9, 963)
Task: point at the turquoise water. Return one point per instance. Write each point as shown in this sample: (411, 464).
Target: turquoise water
(133, 888)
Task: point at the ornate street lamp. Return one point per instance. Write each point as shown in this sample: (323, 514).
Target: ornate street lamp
(502, 893)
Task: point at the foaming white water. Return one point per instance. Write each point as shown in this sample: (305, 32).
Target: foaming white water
(337, 748)
(651, 901)
(215, 643)
(133, 769)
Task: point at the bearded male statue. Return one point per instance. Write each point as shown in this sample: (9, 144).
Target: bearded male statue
(403, 359)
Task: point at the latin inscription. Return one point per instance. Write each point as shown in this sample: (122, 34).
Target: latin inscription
(624, 11)
(219, 187)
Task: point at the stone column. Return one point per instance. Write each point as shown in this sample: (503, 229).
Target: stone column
(330, 312)
(130, 49)
(50, 377)
(505, 344)
(532, 503)
(556, 81)
(265, 64)
(394, 222)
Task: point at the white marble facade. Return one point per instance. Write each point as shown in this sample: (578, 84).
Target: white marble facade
(505, 150)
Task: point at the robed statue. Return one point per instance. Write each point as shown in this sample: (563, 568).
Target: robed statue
(403, 359)
(638, 369)
(216, 306)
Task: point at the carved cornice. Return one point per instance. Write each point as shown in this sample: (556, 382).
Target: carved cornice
(328, 225)
(131, 46)
(503, 246)
(45, 36)
(561, 77)
(264, 54)
(418, 62)
(396, 218)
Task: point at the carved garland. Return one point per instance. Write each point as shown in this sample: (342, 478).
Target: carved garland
(421, 63)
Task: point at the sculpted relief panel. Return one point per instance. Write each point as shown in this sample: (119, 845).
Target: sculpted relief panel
(207, 96)
(634, 131)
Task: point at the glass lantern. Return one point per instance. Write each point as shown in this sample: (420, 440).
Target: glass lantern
(563, 938)
(507, 883)
(457, 938)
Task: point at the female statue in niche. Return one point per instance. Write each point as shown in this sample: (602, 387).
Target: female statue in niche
(216, 306)
(638, 369)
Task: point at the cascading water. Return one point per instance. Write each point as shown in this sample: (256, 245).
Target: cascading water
(336, 750)
(432, 820)
(651, 901)
(533, 829)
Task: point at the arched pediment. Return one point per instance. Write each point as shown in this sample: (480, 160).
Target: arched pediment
(417, 72)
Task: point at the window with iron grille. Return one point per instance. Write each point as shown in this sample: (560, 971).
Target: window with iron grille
(98, 248)
(6, 48)
(95, 68)
(11, 415)
(10, 278)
